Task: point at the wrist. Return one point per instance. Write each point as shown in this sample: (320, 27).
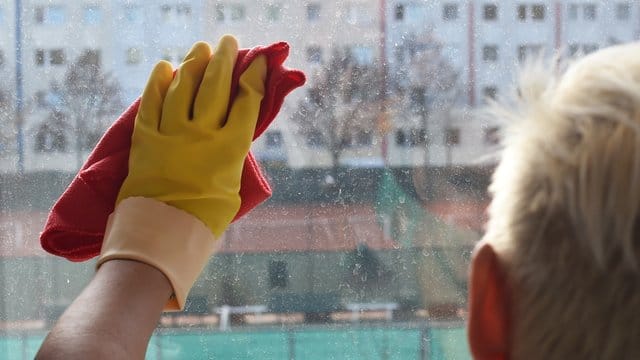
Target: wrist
(172, 241)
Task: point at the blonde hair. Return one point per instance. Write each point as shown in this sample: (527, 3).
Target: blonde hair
(565, 211)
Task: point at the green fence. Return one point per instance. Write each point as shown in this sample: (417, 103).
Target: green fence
(288, 343)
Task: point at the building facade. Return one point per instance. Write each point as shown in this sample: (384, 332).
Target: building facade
(484, 42)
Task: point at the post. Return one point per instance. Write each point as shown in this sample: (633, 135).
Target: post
(291, 337)
(19, 87)
(424, 342)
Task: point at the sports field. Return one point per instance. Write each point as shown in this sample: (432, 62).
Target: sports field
(284, 343)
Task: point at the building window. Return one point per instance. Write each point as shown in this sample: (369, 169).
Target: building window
(92, 15)
(490, 53)
(538, 12)
(528, 51)
(401, 138)
(56, 57)
(274, 12)
(39, 57)
(590, 12)
(364, 138)
(278, 274)
(358, 14)
(92, 57)
(238, 12)
(314, 54)
(363, 55)
(399, 13)
(411, 137)
(490, 92)
(220, 12)
(490, 12)
(166, 12)
(183, 11)
(492, 135)
(50, 15)
(313, 12)
(452, 136)
(572, 12)
(133, 14)
(623, 11)
(273, 139)
(582, 49)
(417, 99)
(50, 138)
(134, 56)
(315, 139)
(522, 12)
(450, 12)
(417, 137)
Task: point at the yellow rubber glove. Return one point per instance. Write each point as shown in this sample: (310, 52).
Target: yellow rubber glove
(185, 152)
(185, 164)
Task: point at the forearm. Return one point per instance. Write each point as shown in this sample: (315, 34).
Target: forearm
(113, 317)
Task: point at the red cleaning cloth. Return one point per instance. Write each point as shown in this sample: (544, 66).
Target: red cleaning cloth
(76, 224)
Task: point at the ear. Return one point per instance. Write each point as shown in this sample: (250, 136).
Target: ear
(488, 306)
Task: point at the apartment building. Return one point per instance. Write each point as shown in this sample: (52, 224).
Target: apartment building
(484, 41)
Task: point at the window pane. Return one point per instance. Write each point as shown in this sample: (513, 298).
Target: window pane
(273, 12)
(522, 12)
(313, 11)
(623, 11)
(92, 15)
(237, 12)
(450, 12)
(538, 12)
(57, 56)
(378, 166)
(590, 11)
(134, 56)
(490, 12)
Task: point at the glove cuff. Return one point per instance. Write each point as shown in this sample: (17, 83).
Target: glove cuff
(169, 239)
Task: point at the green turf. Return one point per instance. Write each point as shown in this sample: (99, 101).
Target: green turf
(321, 343)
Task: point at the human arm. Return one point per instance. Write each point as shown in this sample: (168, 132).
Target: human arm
(181, 192)
(103, 322)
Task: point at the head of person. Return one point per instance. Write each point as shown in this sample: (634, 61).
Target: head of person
(557, 274)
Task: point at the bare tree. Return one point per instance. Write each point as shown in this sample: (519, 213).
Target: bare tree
(350, 103)
(87, 100)
(342, 105)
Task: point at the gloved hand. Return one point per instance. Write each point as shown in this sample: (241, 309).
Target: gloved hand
(187, 152)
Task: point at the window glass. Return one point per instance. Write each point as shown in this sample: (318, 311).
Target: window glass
(573, 11)
(274, 12)
(378, 165)
(590, 11)
(53, 15)
(133, 14)
(623, 11)
(537, 12)
(314, 54)
(490, 53)
(56, 56)
(522, 12)
(450, 12)
(92, 15)
(313, 11)
(490, 12)
(237, 12)
(134, 56)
